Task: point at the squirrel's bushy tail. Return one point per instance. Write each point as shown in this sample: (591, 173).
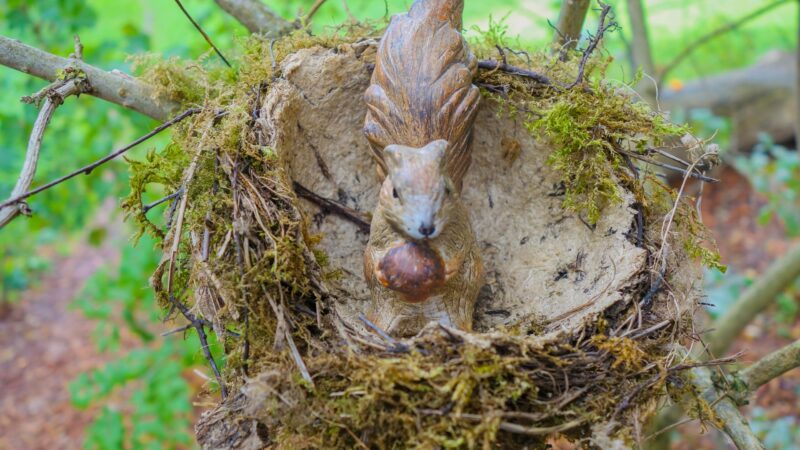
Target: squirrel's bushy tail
(421, 88)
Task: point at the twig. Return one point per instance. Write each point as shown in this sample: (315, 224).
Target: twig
(489, 64)
(508, 426)
(88, 169)
(394, 346)
(771, 366)
(146, 208)
(330, 206)
(200, 29)
(197, 324)
(693, 172)
(115, 87)
(689, 49)
(313, 10)
(594, 41)
(54, 97)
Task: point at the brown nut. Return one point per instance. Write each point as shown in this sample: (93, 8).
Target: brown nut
(413, 269)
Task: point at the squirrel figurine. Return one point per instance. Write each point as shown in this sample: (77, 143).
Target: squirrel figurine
(422, 261)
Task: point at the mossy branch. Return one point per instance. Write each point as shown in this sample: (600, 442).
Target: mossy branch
(729, 419)
(115, 87)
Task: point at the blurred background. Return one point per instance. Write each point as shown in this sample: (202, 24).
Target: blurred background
(83, 362)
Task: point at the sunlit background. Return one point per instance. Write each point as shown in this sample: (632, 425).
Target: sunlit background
(82, 358)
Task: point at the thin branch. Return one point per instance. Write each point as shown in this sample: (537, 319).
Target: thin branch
(54, 96)
(693, 173)
(115, 87)
(202, 32)
(779, 276)
(257, 17)
(358, 218)
(771, 366)
(570, 23)
(89, 168)
(594, 41)
(689, 49)
(313, 10)
(197, 324)
(146, 208)
(503, 67)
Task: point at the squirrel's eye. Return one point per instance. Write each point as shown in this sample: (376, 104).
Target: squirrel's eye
(446, 191)
(394, 193)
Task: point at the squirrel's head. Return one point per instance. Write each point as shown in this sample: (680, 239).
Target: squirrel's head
(417, 193)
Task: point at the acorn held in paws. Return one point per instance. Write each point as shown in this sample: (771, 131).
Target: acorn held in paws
(413, 269)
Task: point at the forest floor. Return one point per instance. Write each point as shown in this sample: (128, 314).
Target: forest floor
(44, 344)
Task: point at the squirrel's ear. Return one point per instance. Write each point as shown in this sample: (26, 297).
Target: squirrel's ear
(436, 150)
(391, 154)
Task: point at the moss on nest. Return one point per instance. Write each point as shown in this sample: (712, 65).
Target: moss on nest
(240, 255)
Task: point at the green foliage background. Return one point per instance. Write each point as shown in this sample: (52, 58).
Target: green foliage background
(85, 129)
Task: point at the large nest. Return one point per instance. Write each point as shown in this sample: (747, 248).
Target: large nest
(590, 275)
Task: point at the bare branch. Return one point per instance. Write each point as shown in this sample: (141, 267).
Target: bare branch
(313, 10)
(89, 168)
(570, 22)
(771, 366)
(257, 17)
(54, 96)
(594, 41)
(115, 87)
(202, 32)
(714, 34)
(754, 300)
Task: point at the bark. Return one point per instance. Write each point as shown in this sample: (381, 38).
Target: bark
(257, 17)
(115, 87)
(570, 22)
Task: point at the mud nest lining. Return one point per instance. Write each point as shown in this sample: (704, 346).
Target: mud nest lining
(586, 289)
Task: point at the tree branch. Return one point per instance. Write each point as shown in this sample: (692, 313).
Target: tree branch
(54, 96)
(642, 56)
(14, 200)
(115, 87)
(257, 17)
(570, 22)
(754, 300)
(771, 366)
(689, 49)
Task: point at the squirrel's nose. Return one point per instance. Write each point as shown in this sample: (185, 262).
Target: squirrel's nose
(427, 230)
